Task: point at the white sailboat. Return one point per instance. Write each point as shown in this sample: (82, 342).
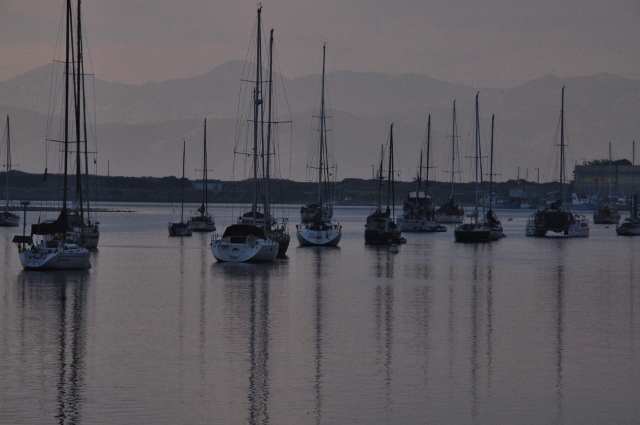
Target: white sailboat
(8, 218)
(182, 228)
(555, 217)
(203, 220)
(316, 227)
(418, 213)
(474, 230)
(449, 212)
(56, 253)
(247, 240)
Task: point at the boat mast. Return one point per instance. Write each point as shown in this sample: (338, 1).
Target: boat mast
(453, 146)
(84, 111)
(65, 186)
(390, 190)
(426, 183)
(257, 101)
(8, 159)
(491, 164)
(380, 179)
(322, 136)
(562, 148)
(184, 144)
(78, 96)
(419, 179)
(267, 212)
(80, 117)
(205, 177)
(477, 146)
(609, 171)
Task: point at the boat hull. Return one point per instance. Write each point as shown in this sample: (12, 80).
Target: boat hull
(606, 215)
(250, 250)
(628, 229)
(383, 237)
(324, 234)
(61, 257)
(419, 226)
(9, 219)
(472, 233)
(282, 238)
(497, 233)
(576, 230)
(180, 229)
(202, 224)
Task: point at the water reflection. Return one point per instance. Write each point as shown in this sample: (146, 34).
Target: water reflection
(557, 279)
(318, 256)
(632, 257)
(202, 322)
(559, 336)
(384, 316)
(421, 302)
(247, 310)
(489, 326)
(181, 310)
(53, 320)
(383, 260)
(423, 268)
(481, 282)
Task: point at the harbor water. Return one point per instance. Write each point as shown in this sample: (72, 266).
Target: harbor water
(518, 331)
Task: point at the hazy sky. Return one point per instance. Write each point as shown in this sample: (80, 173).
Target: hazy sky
(498, 43)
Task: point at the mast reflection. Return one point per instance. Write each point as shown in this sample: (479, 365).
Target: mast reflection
(384, 260)
(384, 299)
(559, 339)
(318, 334)
(59, 297)
(481, 284)
(557, 277)
(247, 291)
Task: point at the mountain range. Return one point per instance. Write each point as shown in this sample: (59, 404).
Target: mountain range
(139, 128)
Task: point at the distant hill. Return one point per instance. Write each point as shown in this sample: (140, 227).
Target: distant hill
(140, 127)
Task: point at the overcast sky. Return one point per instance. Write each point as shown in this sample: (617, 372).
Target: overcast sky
(488, 43)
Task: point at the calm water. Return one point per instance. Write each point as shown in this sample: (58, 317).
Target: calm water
(520, 331)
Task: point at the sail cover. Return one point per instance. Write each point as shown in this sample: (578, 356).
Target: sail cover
(50, 228)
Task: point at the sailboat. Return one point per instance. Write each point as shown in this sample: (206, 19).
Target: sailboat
(8, 218)
(555, 217)
(56, 253)
(316, 227)
(606, 214)
(181, 228)
(474, 230)
(418, 213)
(247, 240)
(490, 218)
(381, 228)
(449, 212)
(203, 221)
(631, 226)
(273, 229)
